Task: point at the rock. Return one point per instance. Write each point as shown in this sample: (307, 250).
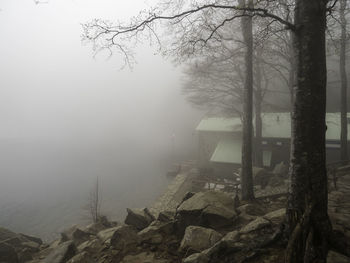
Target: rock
(230, 238)
(61, 254)
(31, 246)
(209, 209)
(334, 257)
(257, 224)
(6, 234)
(124, 238)
(31, 238)
(106, 234)
(94, 228)
(8, 253)
(25, 255)
(81, 258)
(91, 246)
(251, 209)
(166, 216)
(139, 218)
(196, 258)
(153, 234)
(143, 258)
(79, 236)
(198, 238)
(276, 216)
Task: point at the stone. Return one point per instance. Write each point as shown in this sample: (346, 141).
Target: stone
(106, 234)
(94, 228)
(8, 253)
(143, 257)
(79, 236)
(31, 246)
(231, 237)
(209, 209)
(153, 234)
(91, 246)
(83, 257)
(139, 218)
(257, 224)
(251, 209)
(196, 258)
(61, 254)
(124, 238)
(198, 238)
(276, 216)
(166, 216)
(31, 238)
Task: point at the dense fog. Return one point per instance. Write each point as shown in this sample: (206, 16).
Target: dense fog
(68, 117)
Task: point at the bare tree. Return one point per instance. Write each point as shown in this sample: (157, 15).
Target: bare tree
(94, 205)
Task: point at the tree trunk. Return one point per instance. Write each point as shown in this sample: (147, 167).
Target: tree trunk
(343, 80)
(308, 221)
(258, 101)
(247, 129)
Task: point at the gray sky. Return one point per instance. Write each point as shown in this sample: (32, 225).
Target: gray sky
(67, 117)
(51, 87)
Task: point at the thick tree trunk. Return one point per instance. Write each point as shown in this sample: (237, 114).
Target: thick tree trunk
(307, 216)
(258, 101)
(247, 129)
(343, 80)
(292, 69)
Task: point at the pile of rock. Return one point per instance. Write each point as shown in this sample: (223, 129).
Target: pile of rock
(206, 227)
(16, 248)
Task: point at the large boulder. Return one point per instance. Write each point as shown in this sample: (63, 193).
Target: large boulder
(209, 209)
(106, 235)
(139, 218)
(61, 253)
(124, 238)
(198, 238)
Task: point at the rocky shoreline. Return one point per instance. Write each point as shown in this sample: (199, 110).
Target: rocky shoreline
(182, 226)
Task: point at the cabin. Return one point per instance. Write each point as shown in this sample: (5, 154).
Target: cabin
(220, 142)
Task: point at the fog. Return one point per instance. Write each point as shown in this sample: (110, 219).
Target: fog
(68, 117)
